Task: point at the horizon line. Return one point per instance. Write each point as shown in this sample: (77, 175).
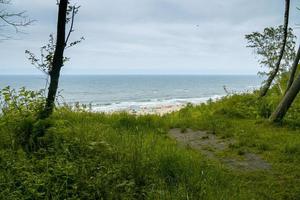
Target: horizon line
(142, 74)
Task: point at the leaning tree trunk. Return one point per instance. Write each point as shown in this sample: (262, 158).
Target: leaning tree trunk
(293, 70)
(267, 85)
(286, 102)
(57, 62)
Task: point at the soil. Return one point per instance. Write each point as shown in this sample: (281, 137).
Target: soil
(210, 145)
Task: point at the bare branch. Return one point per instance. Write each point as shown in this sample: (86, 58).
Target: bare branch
(8, 19)
(72, 24)
(13, 19)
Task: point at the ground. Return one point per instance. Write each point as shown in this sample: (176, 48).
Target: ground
(219, 150)
(212, 146)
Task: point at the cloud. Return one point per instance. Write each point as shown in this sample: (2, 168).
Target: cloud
(150, 36)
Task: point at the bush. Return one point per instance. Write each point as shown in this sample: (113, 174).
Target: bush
(19, 114)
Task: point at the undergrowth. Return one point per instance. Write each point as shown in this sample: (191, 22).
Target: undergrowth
(84, 155)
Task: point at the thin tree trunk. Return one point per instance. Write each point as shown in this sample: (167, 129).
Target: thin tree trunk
(267, 85)
(280, 89)
(57, 62)
(293, 70)
(286, 102)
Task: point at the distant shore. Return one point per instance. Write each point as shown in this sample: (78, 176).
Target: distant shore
(152, 108)
(156, 110)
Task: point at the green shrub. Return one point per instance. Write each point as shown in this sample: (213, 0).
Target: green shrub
(19, 114)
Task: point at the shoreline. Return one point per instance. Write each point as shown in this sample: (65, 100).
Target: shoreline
(152, 107)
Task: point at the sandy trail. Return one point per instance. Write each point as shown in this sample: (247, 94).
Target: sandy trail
(210, 145)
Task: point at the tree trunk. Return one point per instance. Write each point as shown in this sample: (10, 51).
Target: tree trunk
(286, 102)
(293, 70)
(58, 57)
(267, 85)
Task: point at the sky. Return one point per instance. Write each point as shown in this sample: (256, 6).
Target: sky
(148, 36)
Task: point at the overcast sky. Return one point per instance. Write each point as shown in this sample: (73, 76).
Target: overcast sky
(150, 36)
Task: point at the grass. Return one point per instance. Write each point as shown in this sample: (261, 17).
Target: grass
(121, 156)
(278, 144)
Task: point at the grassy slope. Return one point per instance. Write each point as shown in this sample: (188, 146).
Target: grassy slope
(240, 117)
(93, 156)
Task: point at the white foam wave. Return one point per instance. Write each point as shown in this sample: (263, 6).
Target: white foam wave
(151, 105)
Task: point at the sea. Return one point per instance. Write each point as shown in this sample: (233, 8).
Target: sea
(107, 93)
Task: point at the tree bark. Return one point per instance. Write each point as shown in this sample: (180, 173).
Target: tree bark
(286, 102)
(267, 85)
(293, 70)
(58, 57)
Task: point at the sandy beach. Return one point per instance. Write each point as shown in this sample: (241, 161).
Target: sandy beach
(157, 110)
(152, 108)
(142, 110)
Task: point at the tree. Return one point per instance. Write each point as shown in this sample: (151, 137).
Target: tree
(273, 74)
(293, 70)
(11, 19)
(52, 55)
(267, 44)
(286, 101)
(58, 56)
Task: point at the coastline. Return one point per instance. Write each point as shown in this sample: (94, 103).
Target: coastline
(152, 107)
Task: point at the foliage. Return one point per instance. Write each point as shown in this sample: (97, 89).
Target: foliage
(120, 156)
(45, 60)
(19, 111)
(267, 45)
(44, 63)
(23, 102)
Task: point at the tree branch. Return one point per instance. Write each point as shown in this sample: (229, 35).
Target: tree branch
(72, 24)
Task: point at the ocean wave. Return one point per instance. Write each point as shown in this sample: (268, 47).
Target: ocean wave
(151, 104)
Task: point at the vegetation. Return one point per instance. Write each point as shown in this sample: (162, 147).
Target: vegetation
(70, 153)
(85, 155)
(52, 55)
(266, 47)
(273, 46)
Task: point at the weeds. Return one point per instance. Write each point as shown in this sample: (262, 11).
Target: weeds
(85, 155)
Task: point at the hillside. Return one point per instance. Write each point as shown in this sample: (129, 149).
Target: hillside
(120, 156)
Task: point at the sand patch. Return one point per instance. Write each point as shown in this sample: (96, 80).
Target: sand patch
(210, 145)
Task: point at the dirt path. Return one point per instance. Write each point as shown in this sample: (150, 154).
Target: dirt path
(210, 145)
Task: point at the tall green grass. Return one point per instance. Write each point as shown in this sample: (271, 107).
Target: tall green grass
(86, 155)
(94, 156)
